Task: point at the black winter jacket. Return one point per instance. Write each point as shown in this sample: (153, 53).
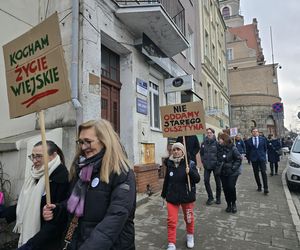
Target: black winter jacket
(208, 153)
(229, 159)
(107, 222)
(175, 187)
(50, 236)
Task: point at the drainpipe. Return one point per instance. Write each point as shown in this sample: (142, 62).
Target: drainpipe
(74, 63)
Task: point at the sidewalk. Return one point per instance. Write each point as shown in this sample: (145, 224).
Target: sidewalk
(262, 222)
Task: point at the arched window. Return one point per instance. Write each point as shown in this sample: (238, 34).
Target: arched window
(253, 125)
(226, 12)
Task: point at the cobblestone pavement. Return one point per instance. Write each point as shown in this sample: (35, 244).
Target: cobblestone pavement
(262, 221)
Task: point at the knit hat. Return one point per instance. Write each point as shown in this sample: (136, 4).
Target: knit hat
(180, 146)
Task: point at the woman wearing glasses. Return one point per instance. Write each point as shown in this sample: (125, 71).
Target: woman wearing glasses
(101, 206)
(36, 233)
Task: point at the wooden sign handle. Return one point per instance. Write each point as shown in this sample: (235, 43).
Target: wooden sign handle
(45, 154)
(186, 164)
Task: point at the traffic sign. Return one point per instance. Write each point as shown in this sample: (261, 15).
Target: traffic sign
(277, 107)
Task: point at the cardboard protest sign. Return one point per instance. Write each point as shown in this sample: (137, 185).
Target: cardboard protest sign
(233, 132)
(36, 73)
(182, 119)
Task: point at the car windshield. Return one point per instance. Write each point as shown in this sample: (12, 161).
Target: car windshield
(296, 148)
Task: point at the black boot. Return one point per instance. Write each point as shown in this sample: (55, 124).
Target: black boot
(233, 208)
(229, 207)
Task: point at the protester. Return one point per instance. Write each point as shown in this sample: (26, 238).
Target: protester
(257, 150)
(208, 154)
(176, 192)
(35, 233)
(229, 160)
(274, 152)
(240, 145)
(102, 204)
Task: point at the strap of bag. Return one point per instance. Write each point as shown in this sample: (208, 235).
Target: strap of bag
(70, 232)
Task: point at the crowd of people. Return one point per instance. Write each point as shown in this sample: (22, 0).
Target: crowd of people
(221, 156)
(93, 204)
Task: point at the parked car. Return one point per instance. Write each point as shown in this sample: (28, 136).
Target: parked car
(293, 165)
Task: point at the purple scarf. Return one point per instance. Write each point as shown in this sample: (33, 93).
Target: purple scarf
(84, 169)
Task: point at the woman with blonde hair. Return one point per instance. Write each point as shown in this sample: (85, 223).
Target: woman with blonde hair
(101, 206)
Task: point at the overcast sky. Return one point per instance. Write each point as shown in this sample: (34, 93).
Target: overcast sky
(284, 18)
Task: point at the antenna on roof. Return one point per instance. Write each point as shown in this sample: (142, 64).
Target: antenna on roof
(272, 51)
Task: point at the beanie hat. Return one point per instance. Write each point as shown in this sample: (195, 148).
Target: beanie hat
(180, 146)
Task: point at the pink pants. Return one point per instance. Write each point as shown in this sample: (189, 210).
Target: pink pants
(188, 213)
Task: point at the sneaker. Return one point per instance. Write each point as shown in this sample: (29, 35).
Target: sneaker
(210, 201)
(266, 191)
(171, 246)
(258, 189)
(190, 240)
(218, 201)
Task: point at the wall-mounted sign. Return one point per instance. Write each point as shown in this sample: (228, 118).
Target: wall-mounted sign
(141, 87)
(36, 73)
(180, 83)
(141, 106)
(182, 119)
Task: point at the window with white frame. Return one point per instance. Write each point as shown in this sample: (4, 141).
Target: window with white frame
(229, 54)
(191, 50)
(226, 12)
(209, 96)
(154, 105)
(226, 108)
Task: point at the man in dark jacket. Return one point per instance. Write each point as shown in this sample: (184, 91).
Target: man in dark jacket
(274, 147)
(257, 150)
(208, 154)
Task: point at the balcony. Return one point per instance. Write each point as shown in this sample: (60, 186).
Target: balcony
(163, 21)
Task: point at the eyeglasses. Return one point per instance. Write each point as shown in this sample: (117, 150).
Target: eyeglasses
(37, 157)
(85, 142)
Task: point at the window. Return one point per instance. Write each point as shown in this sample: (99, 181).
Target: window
(226, 12)
(206, 44)
(213, 54)
(226, 108)
(154, 105)
(229, 54)
(191, 49)
(216, 104)
(208, 95)
(110, 64)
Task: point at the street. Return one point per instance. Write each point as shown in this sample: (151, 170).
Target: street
(262, 222)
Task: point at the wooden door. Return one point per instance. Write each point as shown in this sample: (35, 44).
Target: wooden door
(110, 104)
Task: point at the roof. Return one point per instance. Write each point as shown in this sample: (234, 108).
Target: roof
(249, 33)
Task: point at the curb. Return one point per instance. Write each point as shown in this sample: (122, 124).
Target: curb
(292, 207)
